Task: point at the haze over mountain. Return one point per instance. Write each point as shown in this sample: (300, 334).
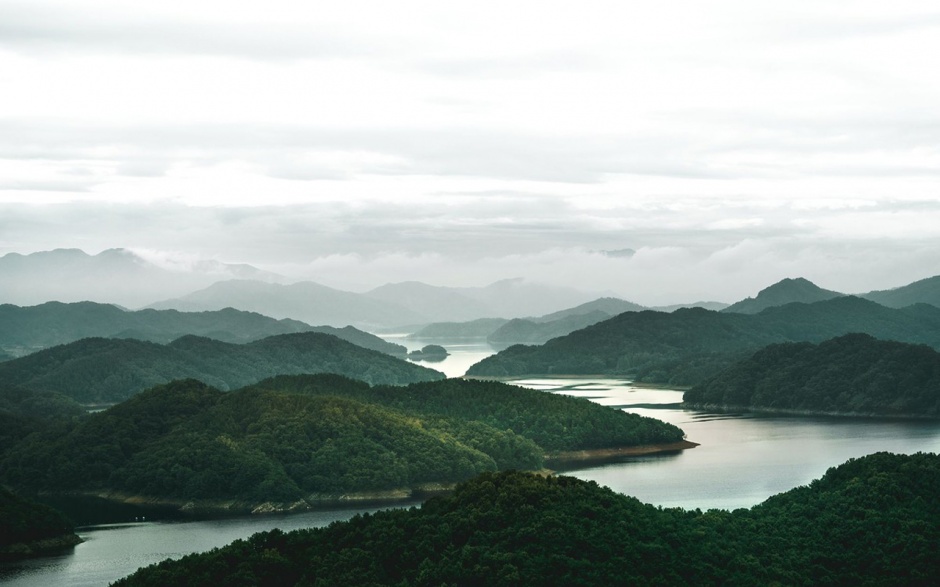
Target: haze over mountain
(783, 292)
(532, 329)
(387, 306)
(116, 276)
(925, 291)
(26, 329)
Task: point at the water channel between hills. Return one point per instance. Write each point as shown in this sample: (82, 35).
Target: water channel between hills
(742, 459)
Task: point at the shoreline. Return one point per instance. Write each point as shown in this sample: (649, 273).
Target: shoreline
(625, 378)
(569, 460)
(220, 508)
(759, 411)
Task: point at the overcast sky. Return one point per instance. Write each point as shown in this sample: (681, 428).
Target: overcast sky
(729, 143)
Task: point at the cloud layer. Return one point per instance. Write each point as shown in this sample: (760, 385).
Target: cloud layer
(728, 143)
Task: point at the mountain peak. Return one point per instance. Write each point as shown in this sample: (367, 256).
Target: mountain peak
(785, 291)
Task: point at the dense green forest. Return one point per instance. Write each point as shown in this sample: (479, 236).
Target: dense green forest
(106, 371)
(851, 374)
(687, 346)
(553, 421)
(30, 328)
(871, 521)
(295, 438)
(28, 528)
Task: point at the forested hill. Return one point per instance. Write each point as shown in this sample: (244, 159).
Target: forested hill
(104, 371)
(26, 329)
(854, 374)
(306, 437)
(871, 521)
(53, 323)
(29, 529)
(688, 345)
(781, 293)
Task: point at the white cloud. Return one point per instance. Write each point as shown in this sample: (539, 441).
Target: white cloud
(475, 141)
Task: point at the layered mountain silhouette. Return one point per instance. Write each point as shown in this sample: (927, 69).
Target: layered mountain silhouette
(27, 329)
(389, 306)
(783, 292)
(105, 371)
(925, 291)
(685, 346)
(117, 276)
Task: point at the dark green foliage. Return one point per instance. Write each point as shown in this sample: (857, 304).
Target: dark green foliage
(23, 411)
(24, 522)
(36, 404)
(187, 440)
(292, 436)
(554, 422)
(852, 374)
(104, 371)
(689, 345)
(871, 521)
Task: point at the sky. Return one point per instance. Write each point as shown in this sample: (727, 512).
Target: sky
(665, 152)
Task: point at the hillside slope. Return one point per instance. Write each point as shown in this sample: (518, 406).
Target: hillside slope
(30, 328)
(783, 292)
(688, 345)
(853, 374)
(296, 439)
(105, 371)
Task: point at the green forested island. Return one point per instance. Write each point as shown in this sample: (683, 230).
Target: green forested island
(106, 370)
(870, 521)
(28, 528)
(429, 352)
(687, 346)
(854, 374)
(293, 440)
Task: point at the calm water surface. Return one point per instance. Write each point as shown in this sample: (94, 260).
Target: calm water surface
(741, 461)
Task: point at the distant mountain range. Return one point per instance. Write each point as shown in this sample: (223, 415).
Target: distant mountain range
(389, 306)
(686, 346)
(104, 371)
(787, 291)
(27, 329)
(117, 276)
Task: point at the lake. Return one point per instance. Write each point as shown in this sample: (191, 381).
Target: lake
(742, 459)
